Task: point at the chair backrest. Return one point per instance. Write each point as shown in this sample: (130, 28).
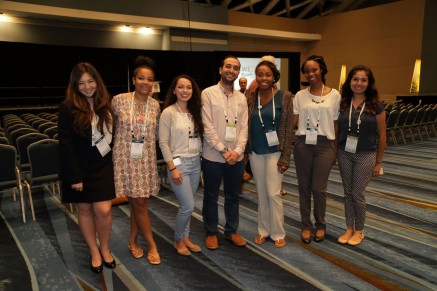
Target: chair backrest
(27, 116)
(8, 156)
(53, 118)
(14, 127)
(31, 119)
(392, 119)
(44, 160)
(45, 125)
(23, 142)
(402, 117)
(38, 122)
(427, 115)
(4, 140)
(13, 121)
(433, 117)
(19, 132)
(411, 117)
(51, 131)
(419, 116)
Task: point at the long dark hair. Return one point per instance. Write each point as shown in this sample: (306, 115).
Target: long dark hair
(81, 109)
(371, 93)
(322, 64)
(194, 105)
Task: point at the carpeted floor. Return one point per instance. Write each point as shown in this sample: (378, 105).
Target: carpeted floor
(398, 253)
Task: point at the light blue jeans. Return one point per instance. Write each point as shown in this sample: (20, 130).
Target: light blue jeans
(190, 170)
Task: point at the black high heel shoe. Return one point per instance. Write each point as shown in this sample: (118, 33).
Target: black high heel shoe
(305, 240)
(320, 238)
(110, 265)
(97, 269)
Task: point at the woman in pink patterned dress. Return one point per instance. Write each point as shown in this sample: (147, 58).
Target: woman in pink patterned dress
(135, 167)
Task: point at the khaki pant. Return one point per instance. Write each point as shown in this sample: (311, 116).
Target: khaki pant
(268, 181)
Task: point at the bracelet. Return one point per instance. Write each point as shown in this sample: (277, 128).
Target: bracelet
(173, 169)
(378, 162)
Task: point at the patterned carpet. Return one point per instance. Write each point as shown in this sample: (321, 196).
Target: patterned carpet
(398, 253)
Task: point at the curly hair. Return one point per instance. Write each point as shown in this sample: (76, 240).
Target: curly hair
(81, 109)
(144, 62)
(272, 66)
(194, 105)
(371, 93)
(320, 61)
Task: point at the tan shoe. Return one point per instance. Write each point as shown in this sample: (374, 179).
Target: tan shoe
(195, 248)
(246, 176)
(345, 237)
(236, 239)
(182, 251)
(356, 238)
(211, 242)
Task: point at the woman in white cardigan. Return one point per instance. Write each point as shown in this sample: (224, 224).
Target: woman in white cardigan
(180, 136)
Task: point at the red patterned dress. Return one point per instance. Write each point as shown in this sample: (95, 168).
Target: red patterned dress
(135, 178)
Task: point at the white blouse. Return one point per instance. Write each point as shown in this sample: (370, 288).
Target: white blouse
(317, 111)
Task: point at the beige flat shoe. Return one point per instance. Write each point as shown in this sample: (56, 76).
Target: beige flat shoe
(153, 259)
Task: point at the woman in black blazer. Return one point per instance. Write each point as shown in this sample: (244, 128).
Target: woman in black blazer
(86, 124)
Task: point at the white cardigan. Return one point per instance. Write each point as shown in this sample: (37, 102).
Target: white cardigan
(173, 134)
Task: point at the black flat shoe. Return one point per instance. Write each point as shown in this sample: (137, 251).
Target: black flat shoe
(305, 240)
(97, 269)
(110, 265)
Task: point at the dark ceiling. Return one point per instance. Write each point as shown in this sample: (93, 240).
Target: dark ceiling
(300, 9)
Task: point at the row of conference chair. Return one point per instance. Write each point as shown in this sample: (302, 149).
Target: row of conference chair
(411, 121)
(30, 160)
(43, 169)
(15, 126)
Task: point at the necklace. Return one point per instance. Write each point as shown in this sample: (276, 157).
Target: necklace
(321, 95)
(268, 97)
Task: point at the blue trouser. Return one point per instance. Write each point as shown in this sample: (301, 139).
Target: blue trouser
(190, 170)
(213, 174)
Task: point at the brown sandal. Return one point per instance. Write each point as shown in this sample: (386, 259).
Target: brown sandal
(259, 239)
(280, 243)
(136, 252)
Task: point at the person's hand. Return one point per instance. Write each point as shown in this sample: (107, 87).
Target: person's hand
(377, 170)
(231, 157)
(282, 169)
(77, 187)
(176, 176)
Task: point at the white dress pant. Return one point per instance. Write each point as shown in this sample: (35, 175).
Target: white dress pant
(268, 181)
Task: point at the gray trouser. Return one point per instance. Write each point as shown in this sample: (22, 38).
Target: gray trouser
(313, 165)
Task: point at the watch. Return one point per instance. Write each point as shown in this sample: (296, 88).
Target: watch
(224, 150)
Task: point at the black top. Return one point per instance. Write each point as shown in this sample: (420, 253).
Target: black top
(82, 162)
(368, 135)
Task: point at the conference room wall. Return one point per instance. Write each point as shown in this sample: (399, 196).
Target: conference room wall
(388, 38)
